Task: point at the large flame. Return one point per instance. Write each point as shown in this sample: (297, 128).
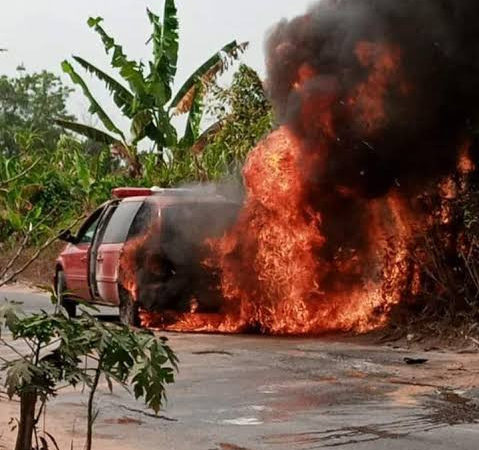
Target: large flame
(273, 278)
(325, 236)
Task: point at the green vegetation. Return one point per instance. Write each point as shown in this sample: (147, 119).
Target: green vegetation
(46, 183)
(147, 99)
(243, 116)
(28, 102)
(49, 177)
(59, 352)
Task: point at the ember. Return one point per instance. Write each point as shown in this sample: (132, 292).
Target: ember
(374, 101)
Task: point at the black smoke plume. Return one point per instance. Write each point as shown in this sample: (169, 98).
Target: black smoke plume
(429, 107)
(170, 263)
(438, 41)
(430, 103)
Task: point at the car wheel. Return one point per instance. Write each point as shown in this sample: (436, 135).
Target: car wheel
(129, 314)
(68, 304)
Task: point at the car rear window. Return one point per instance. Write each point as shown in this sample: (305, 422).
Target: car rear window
(143, 220)
(120, 222)
(197, 221)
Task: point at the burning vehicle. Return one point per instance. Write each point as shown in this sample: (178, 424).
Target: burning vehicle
(173, 222)
(377, 110)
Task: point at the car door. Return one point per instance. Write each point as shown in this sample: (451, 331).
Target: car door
(75, 258)
(111, 239)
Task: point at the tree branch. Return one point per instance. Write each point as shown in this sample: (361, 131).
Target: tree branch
(91, 416)
(13, 349)
(23, 245)
(25, 266)
(20, 175)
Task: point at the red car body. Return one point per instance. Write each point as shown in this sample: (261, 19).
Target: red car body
(89, 266)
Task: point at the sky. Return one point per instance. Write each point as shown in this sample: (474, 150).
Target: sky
(39, 34)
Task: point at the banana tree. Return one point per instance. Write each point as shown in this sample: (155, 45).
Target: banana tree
(145, 96)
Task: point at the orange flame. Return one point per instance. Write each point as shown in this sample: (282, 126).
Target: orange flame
(368, 98)
(274, 277)
(271, 276)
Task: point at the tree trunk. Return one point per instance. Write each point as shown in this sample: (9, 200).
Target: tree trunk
(91, 416)
(135, 169)
(28, 402)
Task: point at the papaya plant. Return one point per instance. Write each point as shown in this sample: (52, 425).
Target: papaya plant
(58, 352)
(145, 96)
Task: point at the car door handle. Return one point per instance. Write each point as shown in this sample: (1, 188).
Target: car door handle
(84, 259)
(99, 259)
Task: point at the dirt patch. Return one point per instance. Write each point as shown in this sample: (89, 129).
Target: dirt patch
(224, 446)
(41, 271)
(123, 421)
(451, 408)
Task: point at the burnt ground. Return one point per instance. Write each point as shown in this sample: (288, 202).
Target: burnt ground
(254, 392)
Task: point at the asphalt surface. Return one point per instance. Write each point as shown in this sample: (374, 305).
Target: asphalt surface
(33, 301)
(254, 392)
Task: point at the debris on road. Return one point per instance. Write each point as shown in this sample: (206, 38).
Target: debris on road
(415, 361)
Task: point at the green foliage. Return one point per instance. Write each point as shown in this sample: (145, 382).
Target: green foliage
(62, 184)
(72, 178)
(147, 101)
(95, 107)
(243, 117)
(46, 190)
(65, 352)
(28, 102)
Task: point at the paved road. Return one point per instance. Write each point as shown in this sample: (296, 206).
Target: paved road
(34, 301)
(252, 392)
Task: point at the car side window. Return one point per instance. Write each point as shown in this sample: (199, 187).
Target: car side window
(87, 237)
(120, 222)
(87, 231)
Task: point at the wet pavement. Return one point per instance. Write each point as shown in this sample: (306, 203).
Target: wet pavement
(253, 392)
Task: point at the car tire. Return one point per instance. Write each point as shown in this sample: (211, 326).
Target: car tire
(129, 312)
(67, 303)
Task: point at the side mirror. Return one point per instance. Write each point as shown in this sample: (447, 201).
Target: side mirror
(67, 236)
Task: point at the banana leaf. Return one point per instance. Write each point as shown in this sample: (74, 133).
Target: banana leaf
(195, 115)
(206, 137)
(95, 107)
(129, 70)
(170, 39)
(139, 125)
(208, 70)
(91, 133)
(165, 51)
(122, 97)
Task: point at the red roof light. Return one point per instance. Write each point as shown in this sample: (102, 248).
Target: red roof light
(125, 192)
